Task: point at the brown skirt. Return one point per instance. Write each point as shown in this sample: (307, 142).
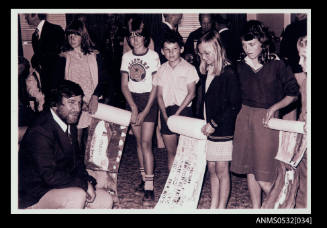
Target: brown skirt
(255, 146)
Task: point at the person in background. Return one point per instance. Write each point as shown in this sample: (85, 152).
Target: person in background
(290, 36)
(190, 55)
(231, 45)
(27, 104)
(138, 72)
(51, 170)
(289, 53)
(170, 24)
(222, 102)
(47, 40)
(176, 89)
(112, 52)
(82, 64)
(267, 86)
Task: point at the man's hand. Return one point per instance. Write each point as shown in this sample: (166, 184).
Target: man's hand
(93, 104)
(189, 58)
(90, 193)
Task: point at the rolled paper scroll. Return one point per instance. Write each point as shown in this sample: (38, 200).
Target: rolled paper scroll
(112, 114)
(286, 125)
(187, 126)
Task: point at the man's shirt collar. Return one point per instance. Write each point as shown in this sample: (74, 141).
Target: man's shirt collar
(59, 121)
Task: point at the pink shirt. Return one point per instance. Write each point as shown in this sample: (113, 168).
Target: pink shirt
(174, 81)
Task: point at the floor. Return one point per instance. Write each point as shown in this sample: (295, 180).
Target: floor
(129, 178)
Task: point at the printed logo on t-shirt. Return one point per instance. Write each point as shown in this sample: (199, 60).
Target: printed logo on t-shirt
(137, 70)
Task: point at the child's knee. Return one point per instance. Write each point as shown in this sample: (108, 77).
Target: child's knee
(146, 145)
(222, 171)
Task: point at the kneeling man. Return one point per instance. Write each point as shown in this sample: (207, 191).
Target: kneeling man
(52, 173)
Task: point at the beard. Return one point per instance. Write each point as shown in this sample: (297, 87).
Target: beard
(69, 117)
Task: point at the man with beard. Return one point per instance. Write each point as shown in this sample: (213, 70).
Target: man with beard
(51, 169)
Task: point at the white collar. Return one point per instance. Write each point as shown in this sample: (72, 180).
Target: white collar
(169, 25)
(223, 29)
(40, 26)
(59, 121)
(250, 63)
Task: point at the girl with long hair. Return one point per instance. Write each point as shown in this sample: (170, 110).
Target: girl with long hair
(267, 86)
(222, 102)
(82, 64)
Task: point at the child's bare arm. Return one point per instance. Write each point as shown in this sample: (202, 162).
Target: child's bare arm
(191, 87)
(161, 102)
(128, 96)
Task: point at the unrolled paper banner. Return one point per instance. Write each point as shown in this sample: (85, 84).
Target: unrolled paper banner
(286, 125)
(183, 187)
(291, 148)
(113, 114)
(105, 144)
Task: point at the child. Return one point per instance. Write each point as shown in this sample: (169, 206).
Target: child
(301, 197)
(267, 86)
(222, 102)
(293, 193)
(81, 63)
(176, 89)
(138, 70)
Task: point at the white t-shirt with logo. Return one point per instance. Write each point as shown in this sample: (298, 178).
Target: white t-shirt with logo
(140, 69)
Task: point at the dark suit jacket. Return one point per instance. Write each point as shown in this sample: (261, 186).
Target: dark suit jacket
(159, 38)
(232, 46)
(46, 50)
(48, 160)
(222, 102)
(190, 44)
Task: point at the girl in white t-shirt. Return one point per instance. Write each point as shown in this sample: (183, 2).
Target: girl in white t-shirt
(138, 69)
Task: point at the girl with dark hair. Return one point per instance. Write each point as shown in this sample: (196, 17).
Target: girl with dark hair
(138, 72)
(82, 64)
(134, 22)
(267, 86)
(222, 102)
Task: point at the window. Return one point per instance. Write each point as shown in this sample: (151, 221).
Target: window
(189, 23)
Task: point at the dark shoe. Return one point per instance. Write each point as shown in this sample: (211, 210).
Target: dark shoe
(148, 198)
(139, 190)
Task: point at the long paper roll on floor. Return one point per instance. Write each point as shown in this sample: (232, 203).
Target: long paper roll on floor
(286, 125)
(183, 187)
(113, 114)
(187, 126)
